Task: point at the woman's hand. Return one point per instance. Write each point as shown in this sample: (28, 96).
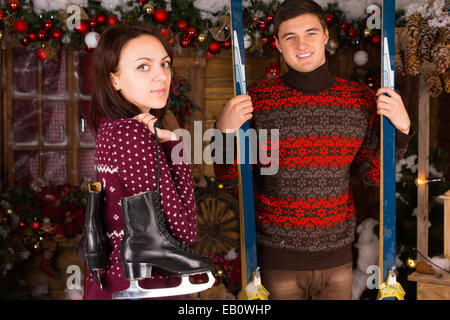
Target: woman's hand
(149, 120)
(392, 107)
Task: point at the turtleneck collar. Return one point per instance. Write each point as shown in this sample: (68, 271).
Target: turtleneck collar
(309, 82)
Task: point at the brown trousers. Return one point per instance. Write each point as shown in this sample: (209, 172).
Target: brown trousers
(327, 284)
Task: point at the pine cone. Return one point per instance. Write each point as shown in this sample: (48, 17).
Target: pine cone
(446, 80)
(441, 57)
(412, 60)
(425, 268)
(427, 37)
(399, 62)
(433, 82)
(443, 36)
(413, 26)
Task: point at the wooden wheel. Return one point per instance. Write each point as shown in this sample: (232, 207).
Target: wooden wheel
(218, 223)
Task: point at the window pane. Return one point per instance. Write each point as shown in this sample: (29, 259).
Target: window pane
(25, 71)
(54, 76)
(86, 132)
(55, 167)
(85, 65)
(87, 165)
(54, 122)
(25, 123)
(26, 168)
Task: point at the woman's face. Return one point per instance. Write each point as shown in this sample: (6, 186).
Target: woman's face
(144, 73)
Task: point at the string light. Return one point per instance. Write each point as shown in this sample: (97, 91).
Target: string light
(420, 181)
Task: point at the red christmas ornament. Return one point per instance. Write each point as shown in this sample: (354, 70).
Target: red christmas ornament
(142, 1)
(101, 18)
(22, 224)
(262, 25)
(13, 5)
(329, 18)
(226, 44)
(88, 49)
(160, 15)
(214, 47)
(25, 41)
(57, 34)
(264, 39)
(111, 20)
(209, 55)
(273, 71)
(32, 36)
(270, 17)
(42, 35)
(164, 30)
(191, 32)
(182, 25)
(93, 23)
(2, 14)
(20, 26)
(375, 39)
(352, 33)
(272, 43)
(47, 24)
(82, 28)
(345, 25)
(41, 53)
(185, 42)
(35, 226)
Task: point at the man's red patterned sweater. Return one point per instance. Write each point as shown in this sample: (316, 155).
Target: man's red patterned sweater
(305, 214)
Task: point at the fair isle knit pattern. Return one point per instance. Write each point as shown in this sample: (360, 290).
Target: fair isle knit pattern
(126, 155)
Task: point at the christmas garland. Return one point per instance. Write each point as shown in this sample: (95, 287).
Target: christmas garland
(201, 24)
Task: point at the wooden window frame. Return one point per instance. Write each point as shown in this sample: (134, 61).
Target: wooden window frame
(73, 99)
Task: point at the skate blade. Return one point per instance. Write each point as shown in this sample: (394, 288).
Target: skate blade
(185, 287)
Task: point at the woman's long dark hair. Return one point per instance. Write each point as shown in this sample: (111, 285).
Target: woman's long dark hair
(106, 101)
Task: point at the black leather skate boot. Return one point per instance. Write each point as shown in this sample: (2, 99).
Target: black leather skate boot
(93, 246)
(147, 243)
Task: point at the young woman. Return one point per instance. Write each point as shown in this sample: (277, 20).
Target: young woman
(133, 71)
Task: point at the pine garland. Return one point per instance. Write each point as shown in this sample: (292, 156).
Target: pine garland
(28, 27)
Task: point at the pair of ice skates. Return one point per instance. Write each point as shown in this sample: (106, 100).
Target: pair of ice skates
(146, 244)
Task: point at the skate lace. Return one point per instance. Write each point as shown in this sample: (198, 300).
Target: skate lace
(163, 229)
(160, 215)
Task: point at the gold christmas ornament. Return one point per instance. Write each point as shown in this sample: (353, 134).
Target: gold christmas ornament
(148, 8)
(202, 37)
(1, 34)
(9, 211)
(367, 32)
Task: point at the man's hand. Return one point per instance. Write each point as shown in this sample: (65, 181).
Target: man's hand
(235, 113)
(392, 107)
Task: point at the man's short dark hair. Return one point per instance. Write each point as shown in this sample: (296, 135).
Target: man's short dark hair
(293, 8)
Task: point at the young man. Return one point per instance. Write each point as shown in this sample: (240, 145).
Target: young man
(305, 214)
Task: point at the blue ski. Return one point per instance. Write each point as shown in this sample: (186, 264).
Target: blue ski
(246, 202)
(389, 289)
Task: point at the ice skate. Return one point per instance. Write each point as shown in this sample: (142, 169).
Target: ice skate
(147, 244)
(92, 246)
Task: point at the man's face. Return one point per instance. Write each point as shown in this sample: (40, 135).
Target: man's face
(301, 41)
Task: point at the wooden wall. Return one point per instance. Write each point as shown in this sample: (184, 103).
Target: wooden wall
(219, 85)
